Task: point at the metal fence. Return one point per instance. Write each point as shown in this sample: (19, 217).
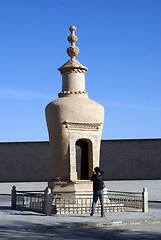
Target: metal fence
(35, 201)
(129, 200)
(79, 204)
(48, 203)
(114, 201)
(31, 200)
(72, 204)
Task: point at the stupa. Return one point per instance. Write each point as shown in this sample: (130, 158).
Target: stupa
(75, 125)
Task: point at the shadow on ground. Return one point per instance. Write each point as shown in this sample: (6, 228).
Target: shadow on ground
(66, 231)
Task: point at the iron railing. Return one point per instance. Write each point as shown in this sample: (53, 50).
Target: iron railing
(114, 201)
(130, 200)
(71, 204)
(48, 203)
(30, 200)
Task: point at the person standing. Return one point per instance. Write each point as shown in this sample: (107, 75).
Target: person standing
(98, 185)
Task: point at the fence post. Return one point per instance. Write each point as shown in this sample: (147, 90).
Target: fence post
(13, 198)
(144, 200)
(48, 201)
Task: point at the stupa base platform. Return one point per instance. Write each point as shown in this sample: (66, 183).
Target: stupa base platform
(74, 188)
(73, 197)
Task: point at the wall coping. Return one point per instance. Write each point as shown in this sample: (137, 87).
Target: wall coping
(102, 140)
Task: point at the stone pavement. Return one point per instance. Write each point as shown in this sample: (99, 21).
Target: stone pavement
(15, 220)
(27, 225)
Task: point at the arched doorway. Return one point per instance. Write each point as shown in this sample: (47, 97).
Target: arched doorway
(82, 162)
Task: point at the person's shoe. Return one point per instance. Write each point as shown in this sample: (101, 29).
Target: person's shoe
(103, 215)
(91, 214)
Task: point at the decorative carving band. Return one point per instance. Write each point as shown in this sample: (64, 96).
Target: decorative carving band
(82, 126)
(66, 93)
(73, 70)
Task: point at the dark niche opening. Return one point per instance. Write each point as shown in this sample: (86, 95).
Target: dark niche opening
(82, 159)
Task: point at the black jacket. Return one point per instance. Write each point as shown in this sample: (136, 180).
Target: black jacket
(97, 180)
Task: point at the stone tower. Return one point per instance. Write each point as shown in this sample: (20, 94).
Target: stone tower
(75, 125)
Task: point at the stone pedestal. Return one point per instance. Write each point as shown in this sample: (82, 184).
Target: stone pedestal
(81, 187)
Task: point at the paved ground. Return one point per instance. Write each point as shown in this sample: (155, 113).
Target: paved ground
(153, 186)
(16, 224)
(124, 232)
(126, 225)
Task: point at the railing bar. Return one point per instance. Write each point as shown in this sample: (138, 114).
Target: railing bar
(125, 192)
(29, 192)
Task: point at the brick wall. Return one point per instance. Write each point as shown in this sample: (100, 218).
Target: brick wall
(120, 160)
(131, 159)
(25, 161)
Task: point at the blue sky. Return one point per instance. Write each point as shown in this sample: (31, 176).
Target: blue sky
(120, 43)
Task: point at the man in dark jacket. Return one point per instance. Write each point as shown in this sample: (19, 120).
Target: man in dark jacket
(98, 185)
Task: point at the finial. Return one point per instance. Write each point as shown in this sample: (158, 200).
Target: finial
(72, 51)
